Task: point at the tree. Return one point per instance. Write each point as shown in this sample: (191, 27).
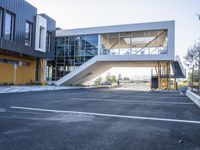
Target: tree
(107, 80)
(98, 81)
(110, 79)
(193, 58)
(113, 79)
(126, 78)
(195, 77)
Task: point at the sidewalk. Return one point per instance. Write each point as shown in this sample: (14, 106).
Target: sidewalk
(15, 89)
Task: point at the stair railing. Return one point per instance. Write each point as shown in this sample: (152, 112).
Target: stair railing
(181, 65)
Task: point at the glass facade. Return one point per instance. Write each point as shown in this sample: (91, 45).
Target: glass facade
(134, 43)
(71, 52)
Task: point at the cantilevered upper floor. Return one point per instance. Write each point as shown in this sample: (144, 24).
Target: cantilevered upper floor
(145, 40)
(82, 54)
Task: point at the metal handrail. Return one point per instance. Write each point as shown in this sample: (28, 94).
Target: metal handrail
(151, 41)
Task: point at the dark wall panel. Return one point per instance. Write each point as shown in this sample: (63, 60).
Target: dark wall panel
(23, 12)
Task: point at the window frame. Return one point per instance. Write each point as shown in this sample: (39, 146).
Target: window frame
(29, 42)
(12, 26)
(41, 32)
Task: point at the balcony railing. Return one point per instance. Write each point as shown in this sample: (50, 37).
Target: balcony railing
(135, 51)
(181, 65)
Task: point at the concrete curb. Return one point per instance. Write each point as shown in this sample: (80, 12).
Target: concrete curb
(20, 89)
(194, 97)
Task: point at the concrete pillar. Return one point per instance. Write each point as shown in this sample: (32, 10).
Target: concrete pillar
(168, 75)
(42, 66)
(175, 84)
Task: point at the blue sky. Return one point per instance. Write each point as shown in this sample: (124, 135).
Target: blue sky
(87, 13)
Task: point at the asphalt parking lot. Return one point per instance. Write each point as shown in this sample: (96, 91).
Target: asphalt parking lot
(98, 119)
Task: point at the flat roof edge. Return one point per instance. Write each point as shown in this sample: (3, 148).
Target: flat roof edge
(116, 28)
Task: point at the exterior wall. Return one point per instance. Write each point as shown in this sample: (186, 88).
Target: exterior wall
(23, 12)
(16, 50)
(24, 74)
(19, 8)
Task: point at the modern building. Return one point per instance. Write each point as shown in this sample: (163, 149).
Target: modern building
(27, 40)
(31, 50)
(83, 54)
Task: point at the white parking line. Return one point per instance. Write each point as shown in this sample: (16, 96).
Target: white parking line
(106, 115)
(132, 101)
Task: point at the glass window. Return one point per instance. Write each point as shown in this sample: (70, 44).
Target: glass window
(48, 42)
(72, 52)
(91, 42)
(134, 43)
(40, 38)
(60, 46)
(1, 21)
(9, 26)
(28, 34)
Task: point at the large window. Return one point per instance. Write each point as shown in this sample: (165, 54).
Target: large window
(1, 21)
(9, 26)
(28, 34)
(134, 43)
(71, 52)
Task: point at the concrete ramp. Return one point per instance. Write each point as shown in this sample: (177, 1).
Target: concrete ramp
(86, 71)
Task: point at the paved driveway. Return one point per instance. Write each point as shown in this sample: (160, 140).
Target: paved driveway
(98, 119)
(16, 89)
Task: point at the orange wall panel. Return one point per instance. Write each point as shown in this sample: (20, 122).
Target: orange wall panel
(24, 74)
